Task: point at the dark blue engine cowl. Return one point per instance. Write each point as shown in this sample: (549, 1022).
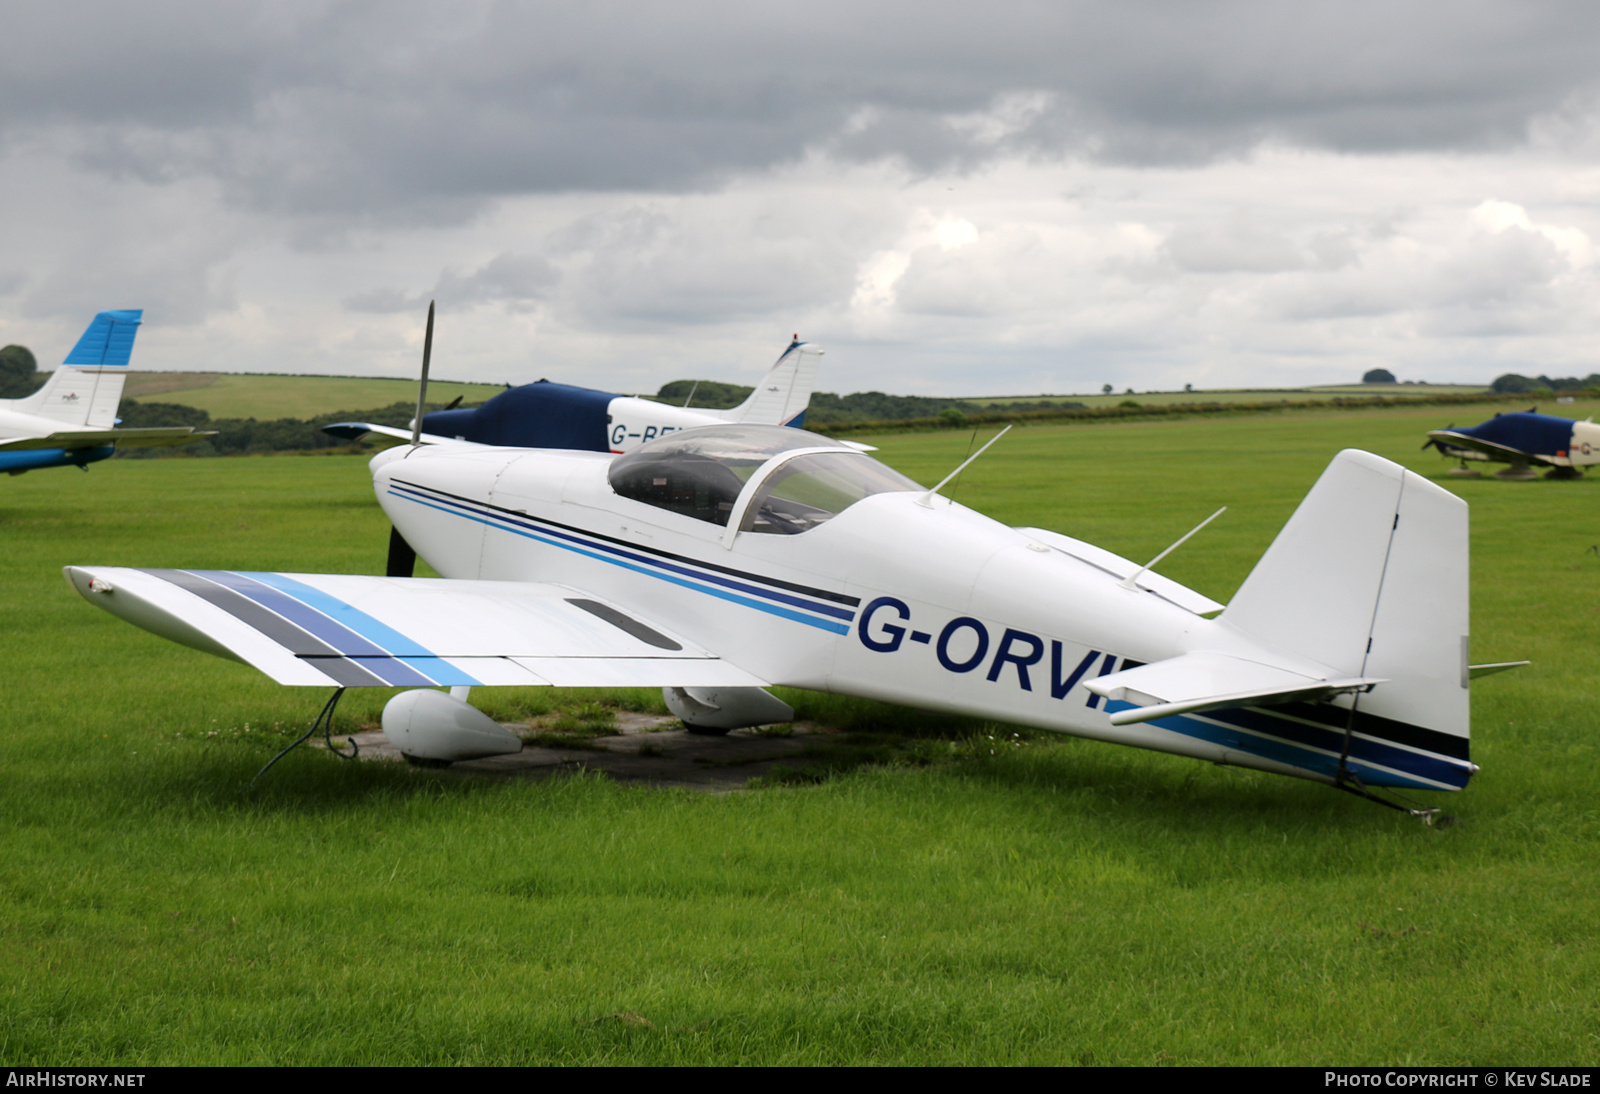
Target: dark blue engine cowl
(1536, 434)
(540, 415)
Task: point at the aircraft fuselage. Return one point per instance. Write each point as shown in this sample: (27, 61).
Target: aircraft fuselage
(899, 598)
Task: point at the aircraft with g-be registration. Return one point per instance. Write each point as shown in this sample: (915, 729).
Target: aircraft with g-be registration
(1564, 446)
(72, 420)
(720, 560)
(550, 415)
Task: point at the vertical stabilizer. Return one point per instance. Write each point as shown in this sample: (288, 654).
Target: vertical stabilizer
(87, 388)
(1369, 577)
(784, 393)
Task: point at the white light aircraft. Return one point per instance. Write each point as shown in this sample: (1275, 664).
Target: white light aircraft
(716, 561)
(547, 415)
(72, 419)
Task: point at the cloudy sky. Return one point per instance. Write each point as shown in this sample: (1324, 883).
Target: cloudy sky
(954, 198)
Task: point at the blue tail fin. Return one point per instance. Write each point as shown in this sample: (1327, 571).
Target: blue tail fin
(108, 341)
(87, 388)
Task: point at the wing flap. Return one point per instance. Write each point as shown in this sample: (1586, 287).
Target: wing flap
(1202, 681)
(363, 631)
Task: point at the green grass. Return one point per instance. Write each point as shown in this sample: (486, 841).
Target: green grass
(267, 397)
(1021, 900)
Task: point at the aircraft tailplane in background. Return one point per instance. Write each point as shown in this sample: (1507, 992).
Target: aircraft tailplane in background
(71, 421)
(87, 388)
(784, 393)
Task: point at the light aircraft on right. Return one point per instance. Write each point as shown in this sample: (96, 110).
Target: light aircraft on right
(1522, 440)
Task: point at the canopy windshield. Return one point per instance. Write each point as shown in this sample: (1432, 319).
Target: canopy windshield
(701, 472)
(810, 489)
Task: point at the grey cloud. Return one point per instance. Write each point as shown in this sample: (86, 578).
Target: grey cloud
(423, 112)
(518, 281)
(711, 261)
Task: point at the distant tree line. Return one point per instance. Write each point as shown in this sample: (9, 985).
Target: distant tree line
(1513, 384)
(250, 436)
(18, 373)
(863, 406)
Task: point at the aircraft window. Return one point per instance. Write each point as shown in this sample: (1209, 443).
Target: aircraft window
(809, 490)
(681, 482)
(700, 472)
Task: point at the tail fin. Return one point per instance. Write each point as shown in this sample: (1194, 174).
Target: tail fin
(1369, 577)
(87, 388)
(784, 393)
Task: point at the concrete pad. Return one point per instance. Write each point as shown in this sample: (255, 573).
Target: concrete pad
(641, 751)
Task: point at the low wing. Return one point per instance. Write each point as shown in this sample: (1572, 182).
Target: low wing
(91, 438)
(355, 431)
(1211, 681)
(1488, 449)
(356, 631)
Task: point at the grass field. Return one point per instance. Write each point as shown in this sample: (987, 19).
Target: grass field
(1039, 901)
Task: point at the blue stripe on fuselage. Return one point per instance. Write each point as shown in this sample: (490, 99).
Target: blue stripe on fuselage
(33, 459)
(545, 527)
(1261, 733)
(627, 560)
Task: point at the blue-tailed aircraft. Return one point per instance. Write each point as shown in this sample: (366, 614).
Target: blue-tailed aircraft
(72, 419)
(717, 561)
(549, 415)
(1523, 440)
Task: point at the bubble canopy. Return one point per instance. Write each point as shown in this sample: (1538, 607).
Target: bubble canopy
(764, 478)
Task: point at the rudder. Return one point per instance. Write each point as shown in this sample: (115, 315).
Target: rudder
(1370, 577)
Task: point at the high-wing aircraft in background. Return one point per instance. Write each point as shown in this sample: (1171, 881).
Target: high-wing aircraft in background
(716, 561)
(1564, 446)
(547, 415)
(72, 419)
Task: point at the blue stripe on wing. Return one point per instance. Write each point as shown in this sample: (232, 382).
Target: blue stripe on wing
(379, 648)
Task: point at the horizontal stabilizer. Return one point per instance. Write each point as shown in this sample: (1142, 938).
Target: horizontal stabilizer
(1212, 681)
(360, 631)
(92, 438)
(1475, 671)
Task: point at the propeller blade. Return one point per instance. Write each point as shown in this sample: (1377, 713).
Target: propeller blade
(422, 388)
(402, 559)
